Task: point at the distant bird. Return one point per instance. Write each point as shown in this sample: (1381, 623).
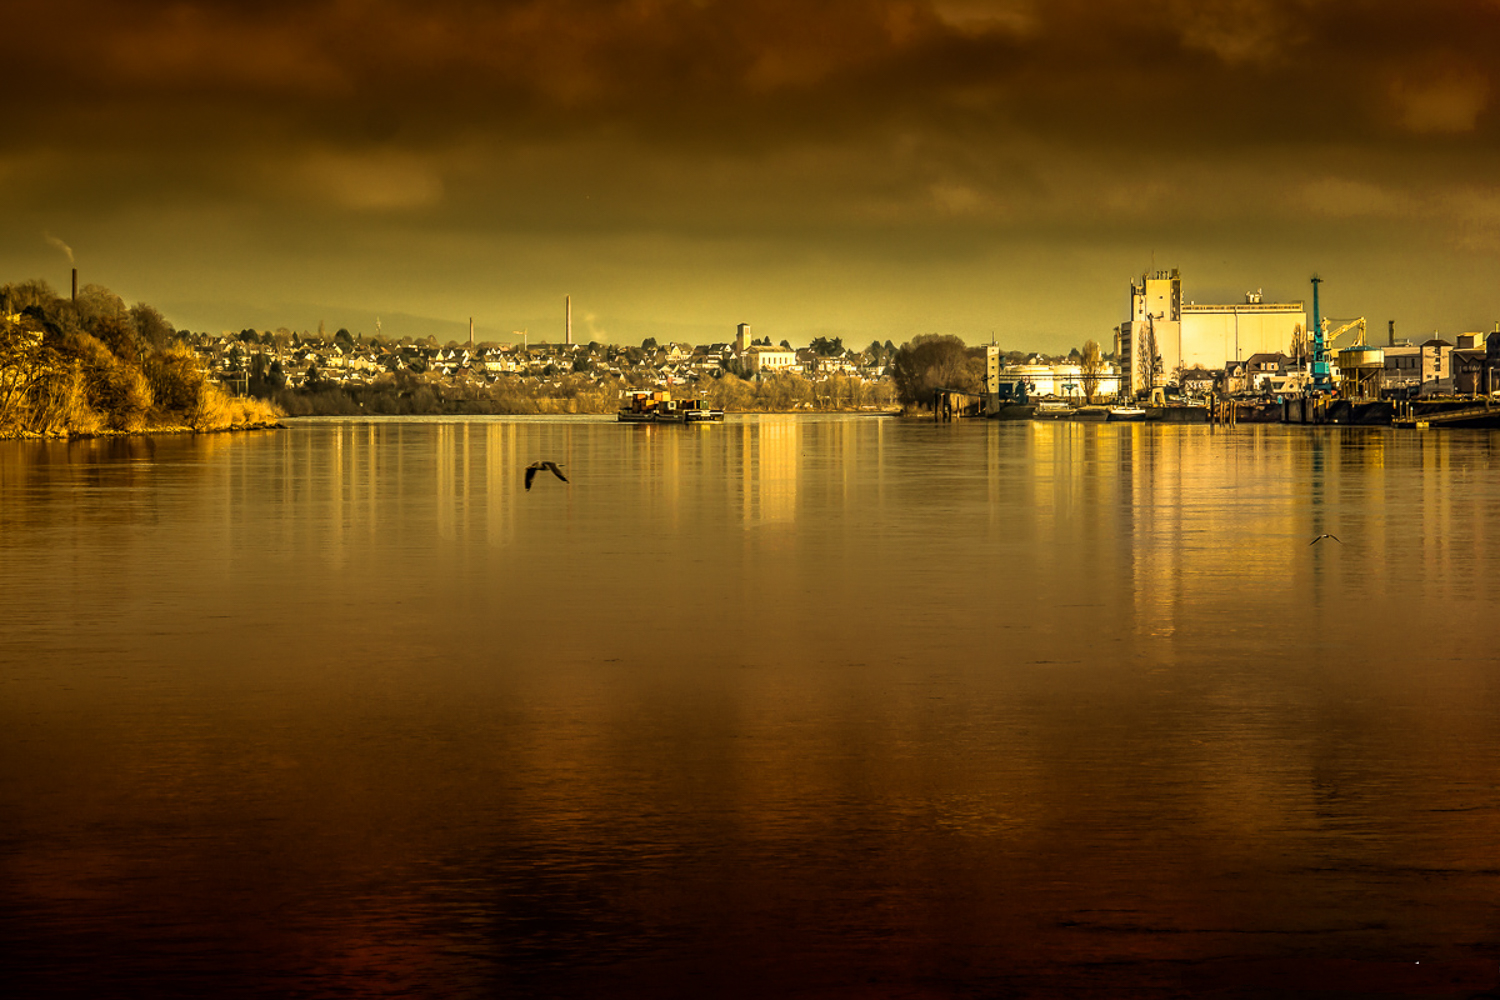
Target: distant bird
(535, 467)
(1315, 541)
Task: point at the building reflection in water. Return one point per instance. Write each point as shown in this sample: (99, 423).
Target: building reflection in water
(500, 483)
(769, 466)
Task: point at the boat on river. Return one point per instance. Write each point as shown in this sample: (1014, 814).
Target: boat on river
(1126, 413)
(1052, 409)
(646, 406)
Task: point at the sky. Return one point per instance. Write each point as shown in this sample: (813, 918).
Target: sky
(868, 170)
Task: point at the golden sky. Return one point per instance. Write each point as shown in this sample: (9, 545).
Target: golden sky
(862, 169)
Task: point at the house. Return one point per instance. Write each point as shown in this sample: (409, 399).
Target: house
(1436, 366)
(765, 359)
(1198, 382)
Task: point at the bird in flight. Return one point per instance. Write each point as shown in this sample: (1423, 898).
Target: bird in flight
(1315, 541)
(535, 467)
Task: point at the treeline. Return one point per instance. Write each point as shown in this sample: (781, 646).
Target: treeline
(783, 391)
(92, 365)
(406, 393)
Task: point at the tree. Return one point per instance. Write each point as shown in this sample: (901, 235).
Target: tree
(95, 302)
(27, 366)
(151, 326)
(19, 297)
(118, 334)
(175, 381)
(1091, 367)
(344, 340)
(649, 344)
(1148, 359)
(934, 361)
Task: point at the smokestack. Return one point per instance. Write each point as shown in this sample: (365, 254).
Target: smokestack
(471, 331)
(1390, 333)
(568, 306)
(75, 284)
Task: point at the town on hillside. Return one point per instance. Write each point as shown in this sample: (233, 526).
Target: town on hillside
(124, 367)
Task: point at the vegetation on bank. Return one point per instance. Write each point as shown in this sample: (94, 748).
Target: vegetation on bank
(933, 361)
(409, 393)
(92, 365)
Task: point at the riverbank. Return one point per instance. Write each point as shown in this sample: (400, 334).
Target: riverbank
(1458, 412)
(154, 431)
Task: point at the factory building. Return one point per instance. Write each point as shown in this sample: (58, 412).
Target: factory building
(1165, 335)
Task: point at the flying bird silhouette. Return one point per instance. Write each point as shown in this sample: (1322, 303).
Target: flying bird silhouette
(535, 467)
(1324, 535)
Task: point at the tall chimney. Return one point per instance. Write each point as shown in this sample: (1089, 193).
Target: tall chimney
(568, 306)
(75, 284)
(1390, 333)
(471, 331)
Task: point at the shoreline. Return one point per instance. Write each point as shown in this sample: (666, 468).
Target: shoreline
(167, 429)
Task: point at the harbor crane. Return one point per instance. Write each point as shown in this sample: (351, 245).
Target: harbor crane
(1332, 334)
(1322, 378)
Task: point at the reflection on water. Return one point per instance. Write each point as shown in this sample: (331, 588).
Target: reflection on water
(785, 706)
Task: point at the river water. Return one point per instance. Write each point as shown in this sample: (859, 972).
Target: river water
(788, 706)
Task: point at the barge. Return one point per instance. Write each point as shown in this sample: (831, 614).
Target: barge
(658, 407)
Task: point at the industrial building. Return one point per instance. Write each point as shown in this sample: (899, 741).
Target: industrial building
(1165, 335)
(1067, 381)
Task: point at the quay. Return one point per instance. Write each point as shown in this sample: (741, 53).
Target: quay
(1308, 411)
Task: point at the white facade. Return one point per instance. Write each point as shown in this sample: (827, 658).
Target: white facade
(1192, 335)
(1062, 380)
(1214, 335)
(765, 359)
(1155, 317)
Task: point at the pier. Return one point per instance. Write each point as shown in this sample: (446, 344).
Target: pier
(1418, 415)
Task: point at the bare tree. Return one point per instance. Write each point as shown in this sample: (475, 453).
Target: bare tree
(1300, 345)
(1148, 361)
(1091, 367)
(152, 327)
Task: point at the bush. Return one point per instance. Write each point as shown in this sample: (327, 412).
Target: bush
(176, 382)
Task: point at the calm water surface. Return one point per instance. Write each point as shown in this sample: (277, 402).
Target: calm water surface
(805, 707)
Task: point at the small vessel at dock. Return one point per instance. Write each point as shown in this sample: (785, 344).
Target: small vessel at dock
(1052, 409)
(1126, 413)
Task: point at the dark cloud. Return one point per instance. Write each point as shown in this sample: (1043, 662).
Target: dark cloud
(677, 69)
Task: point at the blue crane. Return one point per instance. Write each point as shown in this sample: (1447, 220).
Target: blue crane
(1322, 379)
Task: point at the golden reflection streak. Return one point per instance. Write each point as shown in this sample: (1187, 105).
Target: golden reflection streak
(500, 496)
(445, 498)
(773, 486)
